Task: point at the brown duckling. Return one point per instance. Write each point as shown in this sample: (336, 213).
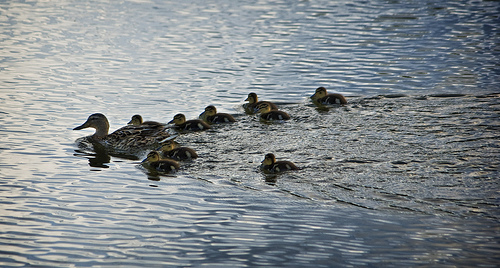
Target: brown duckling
(268, 114)
(253, 102)
(137, 121)
(271, 165)
(211, 116)
(195, 124)
(169, 149)
(154, 161)
(321, 96)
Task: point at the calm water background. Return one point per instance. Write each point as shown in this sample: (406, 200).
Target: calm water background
(404, 175)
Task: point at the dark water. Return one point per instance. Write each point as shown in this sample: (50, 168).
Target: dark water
(406, 174)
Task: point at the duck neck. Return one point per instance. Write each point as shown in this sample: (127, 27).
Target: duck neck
(101, 131)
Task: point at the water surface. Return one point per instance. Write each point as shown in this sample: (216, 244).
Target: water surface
(406, 174)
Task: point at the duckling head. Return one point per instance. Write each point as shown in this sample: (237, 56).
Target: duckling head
(252, 98)
(97, 121)
(210, 110)
(263, 108)
(179, 119)
(136, 120)
(153, 156)
(269, 159)
(320, 93)
(168, 146)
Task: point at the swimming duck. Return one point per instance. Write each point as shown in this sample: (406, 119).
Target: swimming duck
(268, 114)
(137, 121)
(211, 116)
(195, 124)
(169, 149)
(154, 161)
(253, 102)
(271, 165)
(126, 139)
(321, 96)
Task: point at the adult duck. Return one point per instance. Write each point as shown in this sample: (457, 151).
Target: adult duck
(128, 139)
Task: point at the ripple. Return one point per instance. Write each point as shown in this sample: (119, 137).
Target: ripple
(408, 167)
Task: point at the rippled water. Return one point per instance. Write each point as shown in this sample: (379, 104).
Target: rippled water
(406, 174)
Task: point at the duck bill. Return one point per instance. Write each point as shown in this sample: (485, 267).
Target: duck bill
(171, 121)
(85, 125)
(130, 122)
(202, 116)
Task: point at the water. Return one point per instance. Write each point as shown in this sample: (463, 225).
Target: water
(406, 174)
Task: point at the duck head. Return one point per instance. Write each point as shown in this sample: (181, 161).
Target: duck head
(252, 98)
(168, 146)
(320, 93)
(269, 159)
(153, 156)
(97, 121)
(179, 119)
(211, 110)
(136, 120)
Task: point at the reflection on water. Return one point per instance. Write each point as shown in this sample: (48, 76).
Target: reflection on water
(406, 174)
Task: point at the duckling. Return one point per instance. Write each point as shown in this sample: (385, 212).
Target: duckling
(253, 102)
(137, 121)
(126, 139)
(268, 114)
(321, 96)
(154, 161)
(195, 124)
(169, 149)
(211, 116)
(270, 164)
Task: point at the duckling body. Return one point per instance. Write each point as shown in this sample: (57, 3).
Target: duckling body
(321, 96)
(170, 150)
(194, 125)
(129, 138)
(253, 102)
(271, 165)
(137, 121)
(211, 116)
(267, 114)
(154, 161)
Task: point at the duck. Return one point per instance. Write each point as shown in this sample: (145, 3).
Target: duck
(253, 102)
(154, 161)
(137, 121)
(211, 116)
(169, 149)
(129, 138)
(195, 124)
(321, 96)
(267, 114)
(271, 165)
